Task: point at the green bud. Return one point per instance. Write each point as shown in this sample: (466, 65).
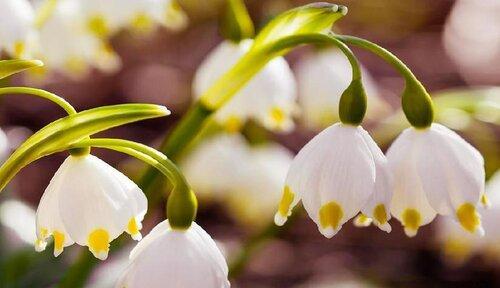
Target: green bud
(417, 105)
(181, 209)
(352, 106)
(236, 24)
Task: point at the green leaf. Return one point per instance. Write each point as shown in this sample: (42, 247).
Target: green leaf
(10, 67)
(312, 18)
(71, 129)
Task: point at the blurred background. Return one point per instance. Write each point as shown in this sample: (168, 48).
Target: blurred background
(452, 46)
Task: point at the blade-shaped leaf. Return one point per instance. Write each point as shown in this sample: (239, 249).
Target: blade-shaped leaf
(10, 67)
(68, 130)
(312, 18)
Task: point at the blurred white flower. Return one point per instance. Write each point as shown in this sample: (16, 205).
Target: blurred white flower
(66, 46)
(472, 39)
(458, 245)
(435, 171)
(254, 201)
(90, 203)
(4, 145)
(249, 178)
(339, 173)
(321, 79)
(17, 30)
(268, 98)
(176, 258)
(20, 218)
(105, 18)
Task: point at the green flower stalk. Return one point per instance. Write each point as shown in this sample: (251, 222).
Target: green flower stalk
(236, 23)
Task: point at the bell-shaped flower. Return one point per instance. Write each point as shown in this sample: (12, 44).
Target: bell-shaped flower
(435, 172)
(459, 245)
(105, 18)
(90, 203)
(268, 98)
(17, 32)
(176, 258)
(339, 173)
(322, 77)
(66, 46)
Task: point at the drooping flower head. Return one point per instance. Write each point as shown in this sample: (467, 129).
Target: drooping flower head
(339, 173)
(17, 31)
(436, 172)
(176, 258)
(321, 79)
(268, 98)
(90, 203)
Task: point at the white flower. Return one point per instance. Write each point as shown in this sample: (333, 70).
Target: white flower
(105, 18)
(269, 97)
(459, 245)
(176, 258)
(66, 46)
(435, 172)
(4, 145)
(321, 79)
(339, 173)
(17, 32)
(254, 201)
(90, 203)
(217, 166)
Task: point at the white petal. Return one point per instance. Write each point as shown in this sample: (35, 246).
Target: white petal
(181, 258)
(17, 33)
(4, 145)
(378, 206)
(409, 204)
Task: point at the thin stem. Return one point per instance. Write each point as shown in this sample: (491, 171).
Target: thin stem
(381, 52)
(42, 94)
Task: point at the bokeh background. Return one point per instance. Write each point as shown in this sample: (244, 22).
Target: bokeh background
(452, 46)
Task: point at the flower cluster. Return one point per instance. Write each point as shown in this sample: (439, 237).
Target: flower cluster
(71, 36)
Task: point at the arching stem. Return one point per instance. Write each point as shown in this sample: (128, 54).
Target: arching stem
(42, 94)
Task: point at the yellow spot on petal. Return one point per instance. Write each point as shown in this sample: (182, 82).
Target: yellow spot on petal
(19, 49)
(76, 66)
(99, 241)
(132, 227)
(411, 219)
(362, 221)
(457, 250)
(233, 124)
(44, 233)
(142, 23)
(468, 217)
(485, 201)
(277, 115)
(330, 215)
(380, 214)
(286, 201)
(58, 240)
(98, 26)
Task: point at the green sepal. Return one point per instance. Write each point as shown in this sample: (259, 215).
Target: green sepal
(10, 67)
(312, 18)
(417, 105)
(182, 207)
(236, 23)
(68, 130)
(352, 105)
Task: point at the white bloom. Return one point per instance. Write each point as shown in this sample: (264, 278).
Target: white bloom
(17, 32)
(217, 166)
(269, 97)
(4, 145)
(105, 18)
(459, 244)
(90, 203)
(254, 201)
(435, 172)
(321, 79)
(66, 46)
(176, 258)
(339, 173)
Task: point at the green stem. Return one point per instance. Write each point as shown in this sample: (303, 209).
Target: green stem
(236, 23)
(42, 94)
